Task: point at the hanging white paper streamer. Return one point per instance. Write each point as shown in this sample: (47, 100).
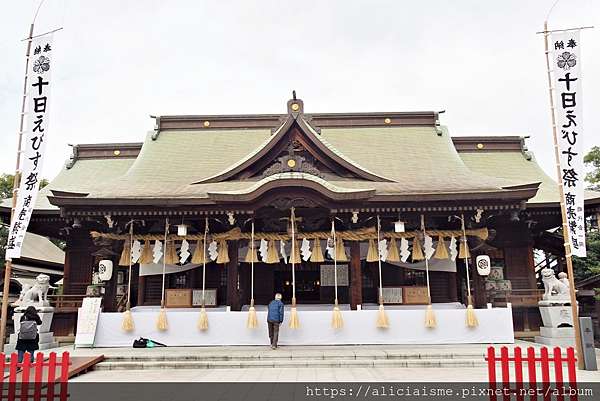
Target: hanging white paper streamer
(157, 251)
(213, 252)
(282, 251)
(428, 246)
(184, 252)
(404, 252)
(136, 251)
(330, 248)
(263, 249)
(453, 249)
(383, 250)
(305, 250)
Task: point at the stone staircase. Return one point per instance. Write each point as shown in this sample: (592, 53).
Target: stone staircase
(325, 357)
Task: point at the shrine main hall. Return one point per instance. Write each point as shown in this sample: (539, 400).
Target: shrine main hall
(358, 211)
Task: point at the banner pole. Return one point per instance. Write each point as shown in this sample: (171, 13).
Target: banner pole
(16, 182)
(563, 212)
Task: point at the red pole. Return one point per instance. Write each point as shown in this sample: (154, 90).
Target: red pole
(491, 360)
(531, 362)
(64, 376)
(545, 372)
(558, 375)
(572, 371)
(2, 368)
(39, 368)
(25, 368)
(505, 373)
(12, 376)
(519, 373)
(51, 376)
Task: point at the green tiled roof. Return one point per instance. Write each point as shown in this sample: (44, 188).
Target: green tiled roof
(416, 160)
(520, 168)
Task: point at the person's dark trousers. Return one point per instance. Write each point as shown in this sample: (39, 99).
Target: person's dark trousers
(273, 332)
(21, 355)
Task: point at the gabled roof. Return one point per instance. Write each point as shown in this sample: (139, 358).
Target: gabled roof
(507, 157)
(39, 249)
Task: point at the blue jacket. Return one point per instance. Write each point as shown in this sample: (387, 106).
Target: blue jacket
(275, 311)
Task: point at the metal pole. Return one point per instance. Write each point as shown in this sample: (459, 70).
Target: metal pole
(563, 212)
(16, 182)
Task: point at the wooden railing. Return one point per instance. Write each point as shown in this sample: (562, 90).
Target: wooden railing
(517, 297)
(66, 303)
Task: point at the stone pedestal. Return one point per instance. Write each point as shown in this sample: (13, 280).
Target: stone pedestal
(46, 336)
(558, 325)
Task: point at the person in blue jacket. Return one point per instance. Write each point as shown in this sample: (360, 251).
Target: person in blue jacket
(274, 319)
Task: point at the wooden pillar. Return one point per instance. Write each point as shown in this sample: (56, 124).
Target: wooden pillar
(233, 295)
(355, 275)
(141, 290)
(452, 287)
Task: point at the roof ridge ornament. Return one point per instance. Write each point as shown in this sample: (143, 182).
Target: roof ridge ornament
(295, 106)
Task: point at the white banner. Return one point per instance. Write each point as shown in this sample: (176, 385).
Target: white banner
(566, 66)
(33, 141)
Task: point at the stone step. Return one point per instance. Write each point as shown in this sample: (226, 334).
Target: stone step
(283, 356)
(291, 363)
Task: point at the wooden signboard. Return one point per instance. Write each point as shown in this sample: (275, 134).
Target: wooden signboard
(392, 295)
(178, 298)
(415, 295)
(210, 297)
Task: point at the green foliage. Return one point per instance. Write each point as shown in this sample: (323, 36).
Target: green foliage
(593, 159)
(589, 266)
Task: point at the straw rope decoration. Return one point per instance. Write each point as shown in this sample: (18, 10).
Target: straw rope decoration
(294, 321)
(252, 321)
(127, 324)
(430, 321)
(337, 321)
(382, 319)
(471, 319)
(203, 319)
(161, 323)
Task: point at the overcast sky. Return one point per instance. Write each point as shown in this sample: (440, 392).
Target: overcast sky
(116, 62)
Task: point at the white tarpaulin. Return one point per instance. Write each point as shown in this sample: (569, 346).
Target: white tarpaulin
(33, 141)
(566, 67)
(229, 328)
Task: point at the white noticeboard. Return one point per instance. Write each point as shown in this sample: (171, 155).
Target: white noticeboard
(87, 321)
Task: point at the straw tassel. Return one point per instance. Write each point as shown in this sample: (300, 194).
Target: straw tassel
(382, 319)
(294, 321)
(337, 321)
(393, 253)
(430, 321)
(441, 251)
(373, 252)
(252, 321)
(161, 323)
(340, 251)
(272, 255)
(463, 252)
(147, 255)
(171, 253)
(417, 251)
(223, 255)
(296, 258)
(127, 324)
(471, 316)
(317, 253)
(203, 319)
(200, 256)
(126, 254)
(251, 255)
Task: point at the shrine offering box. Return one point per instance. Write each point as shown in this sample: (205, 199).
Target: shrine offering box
(415, 295)
(178, 298)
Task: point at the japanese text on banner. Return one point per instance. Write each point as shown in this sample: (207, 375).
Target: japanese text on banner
(566, 65)
(33, 141)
